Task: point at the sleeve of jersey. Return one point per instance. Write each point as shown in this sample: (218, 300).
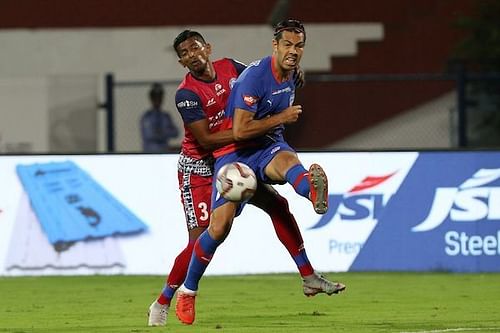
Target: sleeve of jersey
(248, 93)
(239, 66)
(189, 106)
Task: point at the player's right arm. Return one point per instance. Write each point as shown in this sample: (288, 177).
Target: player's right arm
(246, 127)
(249, 93)
(208, 140)
(190, 107)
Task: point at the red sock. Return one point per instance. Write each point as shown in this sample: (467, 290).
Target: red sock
(177, 274)
(289, 234)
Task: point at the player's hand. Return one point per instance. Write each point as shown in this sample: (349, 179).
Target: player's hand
(299, 77)
(291, 114)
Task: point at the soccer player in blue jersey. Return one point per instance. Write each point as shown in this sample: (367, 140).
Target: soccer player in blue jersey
(259, 107)
(201, 99)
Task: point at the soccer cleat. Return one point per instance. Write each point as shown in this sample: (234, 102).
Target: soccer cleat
(184, 309)
(157, 315)
(316, 284)
(318, 188)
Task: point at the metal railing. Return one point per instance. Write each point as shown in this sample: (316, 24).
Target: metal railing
(461, 79)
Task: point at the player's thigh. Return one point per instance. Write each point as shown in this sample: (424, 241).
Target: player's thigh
(280, 164)
(264, 196)
(196, 193)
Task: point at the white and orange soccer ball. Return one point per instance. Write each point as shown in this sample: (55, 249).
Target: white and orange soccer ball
(236, 182)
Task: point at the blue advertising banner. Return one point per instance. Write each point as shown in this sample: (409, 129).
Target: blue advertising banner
(71, 206)
(444, 217)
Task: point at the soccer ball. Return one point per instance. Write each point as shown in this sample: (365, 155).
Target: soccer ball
(236, 182)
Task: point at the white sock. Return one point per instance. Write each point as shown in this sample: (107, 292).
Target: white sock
(185, 290)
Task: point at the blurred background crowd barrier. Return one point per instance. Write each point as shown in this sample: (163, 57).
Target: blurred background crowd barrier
(410, 111)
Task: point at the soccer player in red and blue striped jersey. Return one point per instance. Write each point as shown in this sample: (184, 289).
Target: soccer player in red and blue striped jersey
(259, 107)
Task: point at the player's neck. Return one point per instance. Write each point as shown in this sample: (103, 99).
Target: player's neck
(279, 74)
(208, 74)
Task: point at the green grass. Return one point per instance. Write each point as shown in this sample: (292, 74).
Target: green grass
(373, 302)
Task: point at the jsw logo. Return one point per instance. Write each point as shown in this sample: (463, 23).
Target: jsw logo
(467, 203)
(353, 206)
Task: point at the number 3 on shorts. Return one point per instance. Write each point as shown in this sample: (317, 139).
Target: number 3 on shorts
(204, 211)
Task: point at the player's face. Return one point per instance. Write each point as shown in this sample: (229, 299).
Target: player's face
(289, 49)
(193, 54)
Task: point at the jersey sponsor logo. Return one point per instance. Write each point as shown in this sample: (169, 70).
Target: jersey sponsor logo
(250, 100)
(469, 202)
(187, 104)
(216, 119)
(280, 91)
(357, 204)
(219, 90)
(210, 102)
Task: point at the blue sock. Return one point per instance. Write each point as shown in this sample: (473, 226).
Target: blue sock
(204, 249)
(303, 263)
(168, 292)
(297, 177)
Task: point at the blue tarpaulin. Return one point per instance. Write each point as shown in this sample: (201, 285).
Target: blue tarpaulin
(72, 206)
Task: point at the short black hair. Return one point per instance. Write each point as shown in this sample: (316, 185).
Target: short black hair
(289, 25)
(185, 35)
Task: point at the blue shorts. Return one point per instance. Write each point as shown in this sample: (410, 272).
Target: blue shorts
(256, 159)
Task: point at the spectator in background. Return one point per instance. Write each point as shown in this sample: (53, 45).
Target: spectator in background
(157, 127)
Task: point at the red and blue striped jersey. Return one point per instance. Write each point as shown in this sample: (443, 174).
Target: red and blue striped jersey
(197, 99)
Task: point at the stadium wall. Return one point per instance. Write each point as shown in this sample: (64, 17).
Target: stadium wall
(31, 62)
(389, 211)
(419, 37)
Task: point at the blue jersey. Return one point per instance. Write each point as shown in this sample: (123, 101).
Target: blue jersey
(258, 90)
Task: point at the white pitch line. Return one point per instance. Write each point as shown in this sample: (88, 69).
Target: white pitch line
(460, 329)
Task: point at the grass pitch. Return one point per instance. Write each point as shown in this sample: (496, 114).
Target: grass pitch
(373, 302)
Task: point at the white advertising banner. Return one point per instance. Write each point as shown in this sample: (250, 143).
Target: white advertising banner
(131, 220)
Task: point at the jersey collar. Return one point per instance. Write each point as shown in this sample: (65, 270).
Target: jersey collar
(275, 72)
